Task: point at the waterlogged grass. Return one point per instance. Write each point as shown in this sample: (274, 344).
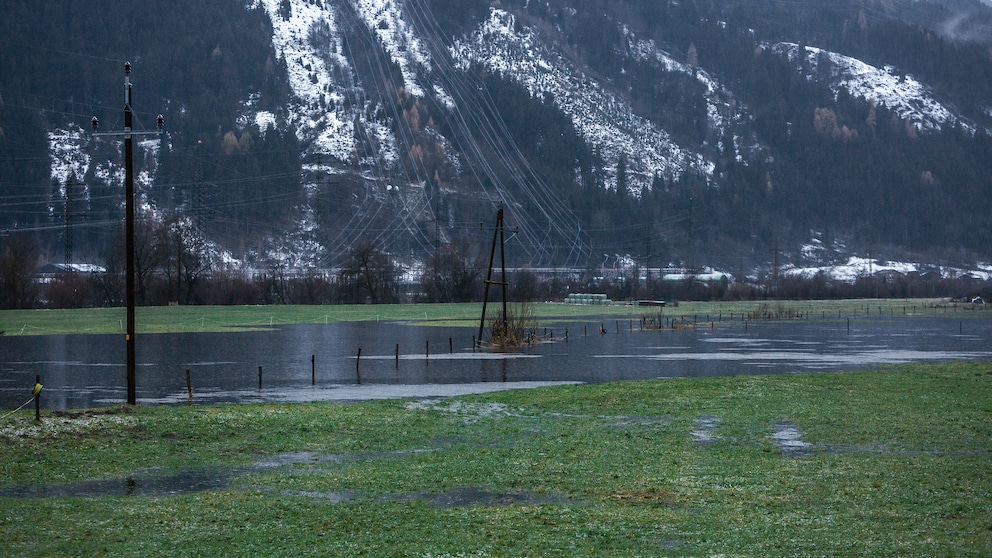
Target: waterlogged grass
(162, 319)
(890, 462)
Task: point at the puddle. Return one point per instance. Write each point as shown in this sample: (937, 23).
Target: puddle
(470, 412)
(789, 440)
(150, 484)
(293, 458)
(634, 421)
(157, 483)
(340, 393)
(310, 458)
(704, 430)
(332, 497)
(474, 496)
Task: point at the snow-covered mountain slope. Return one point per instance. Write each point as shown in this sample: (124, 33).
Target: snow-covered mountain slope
(903, 94)
(520, 53)
(328, 99)
(407, 127)
(727, 116)
(307, 37)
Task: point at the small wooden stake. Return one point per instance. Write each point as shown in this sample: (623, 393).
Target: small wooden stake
(358, 375)
(259, 377)
(313, 370)
(189, 384)
(37, 398)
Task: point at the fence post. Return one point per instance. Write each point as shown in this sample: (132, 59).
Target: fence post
(37, 398)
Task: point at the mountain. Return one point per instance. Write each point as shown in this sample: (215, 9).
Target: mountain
(731, 134)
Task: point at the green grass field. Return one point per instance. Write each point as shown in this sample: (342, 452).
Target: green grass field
(162, 319)
(893, 462)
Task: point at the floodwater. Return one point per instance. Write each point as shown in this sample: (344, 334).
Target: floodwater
(322, 362)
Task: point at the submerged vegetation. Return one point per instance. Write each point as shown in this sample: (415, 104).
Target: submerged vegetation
(889, 462)
(512, 329)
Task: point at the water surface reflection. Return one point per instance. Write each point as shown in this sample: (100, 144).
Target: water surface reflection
(322, 362)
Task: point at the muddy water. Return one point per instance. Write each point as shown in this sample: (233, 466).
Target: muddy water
(88, 370)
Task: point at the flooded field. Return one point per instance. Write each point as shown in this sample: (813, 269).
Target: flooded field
(369, 360)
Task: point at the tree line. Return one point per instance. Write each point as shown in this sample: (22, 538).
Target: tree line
(174, 265)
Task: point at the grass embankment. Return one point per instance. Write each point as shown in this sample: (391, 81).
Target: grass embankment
(163, 319)
(892, 462)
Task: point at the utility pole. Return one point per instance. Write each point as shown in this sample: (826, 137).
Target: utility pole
(497, 235)
(128, 135)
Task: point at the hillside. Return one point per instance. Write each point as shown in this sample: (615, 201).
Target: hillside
(728, 134)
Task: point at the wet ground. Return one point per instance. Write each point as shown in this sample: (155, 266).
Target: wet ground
(787, 437)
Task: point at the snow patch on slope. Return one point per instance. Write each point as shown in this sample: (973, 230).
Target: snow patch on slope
(265, 120)
(902, 94)
(852, 269)
(724, 112)
(601, 118)
(68, 158)
(384, 18)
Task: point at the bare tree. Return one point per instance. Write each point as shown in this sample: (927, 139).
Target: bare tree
(188, 258)
(150, 243)
(369, 276)
(451, 275)
(149, 254)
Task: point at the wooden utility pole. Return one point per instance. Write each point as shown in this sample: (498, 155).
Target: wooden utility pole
(497, 235)
(128, 135)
